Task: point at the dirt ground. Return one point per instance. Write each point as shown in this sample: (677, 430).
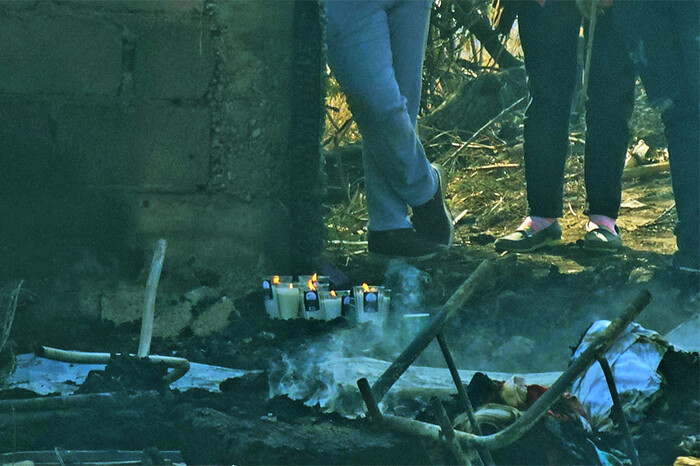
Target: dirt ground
(527, 320)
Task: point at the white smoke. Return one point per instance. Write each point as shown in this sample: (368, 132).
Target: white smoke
(325, 371)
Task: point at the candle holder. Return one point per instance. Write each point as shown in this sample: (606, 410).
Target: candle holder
(371, 303)
(412, 324)
(346, 302)
(332, 303)
(289, 301)
(312, 303)
(270, 294)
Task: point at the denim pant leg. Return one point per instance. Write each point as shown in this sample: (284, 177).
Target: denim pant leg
(664, 42)
(375, 50)
(608, 111)
(549, 38)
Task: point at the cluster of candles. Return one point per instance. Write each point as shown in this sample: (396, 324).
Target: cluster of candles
(310, 297)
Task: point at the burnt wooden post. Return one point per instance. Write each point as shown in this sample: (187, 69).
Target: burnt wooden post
(617, 408)
(304, 158)
(462, 397)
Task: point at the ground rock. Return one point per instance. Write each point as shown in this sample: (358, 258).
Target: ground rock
(199, 294)
(123, 304)
(213, 319)
(171, 321)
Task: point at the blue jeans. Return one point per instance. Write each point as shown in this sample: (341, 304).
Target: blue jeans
(663, 39)
(375, 50)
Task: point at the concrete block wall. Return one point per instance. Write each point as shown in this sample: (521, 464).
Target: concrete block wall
(124, 121)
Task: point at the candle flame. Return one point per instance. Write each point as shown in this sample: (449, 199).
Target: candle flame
(276, 280)
(310, 284)
(333, 294)
(314, 277)
(365, 287)
(291, 286)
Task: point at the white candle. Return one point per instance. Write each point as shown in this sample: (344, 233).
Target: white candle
(331, 305)
(270, 291)
(288, 301)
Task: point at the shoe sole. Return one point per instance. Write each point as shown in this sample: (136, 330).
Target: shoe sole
(547, 242)
(592, 247)
(441, 186)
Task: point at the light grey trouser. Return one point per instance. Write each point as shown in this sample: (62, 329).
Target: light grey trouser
(375, 51)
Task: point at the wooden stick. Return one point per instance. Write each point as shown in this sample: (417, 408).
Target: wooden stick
(617, 408)
(459, 217)
(462, 397)
(642, 171)
(494, 166)
(449, 433)
(589, 51)
(149, 301)
(483, 274)
(658, 220)
(179, 366)
(366, 391)
(348, 243)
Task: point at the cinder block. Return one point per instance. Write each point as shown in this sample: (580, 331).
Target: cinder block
(59, 55)
(173, 59)
(159, 146)
(215, 230)
(25, 146)
(167, 6)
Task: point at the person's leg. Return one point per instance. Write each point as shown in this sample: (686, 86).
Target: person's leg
(431, 218)
(608, 111)
(549, 38)
(408, 29)
(360, 55)
(682, 122)
(664, 43)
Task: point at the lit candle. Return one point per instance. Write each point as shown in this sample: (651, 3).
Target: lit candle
(372, 303)
(270, 294)
(312, 306)
(288, 301)
(331, 305)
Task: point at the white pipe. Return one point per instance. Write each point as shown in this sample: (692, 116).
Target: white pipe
(149, 302)
(179, 366)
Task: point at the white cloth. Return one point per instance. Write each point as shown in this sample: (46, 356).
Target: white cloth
(634, 359)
